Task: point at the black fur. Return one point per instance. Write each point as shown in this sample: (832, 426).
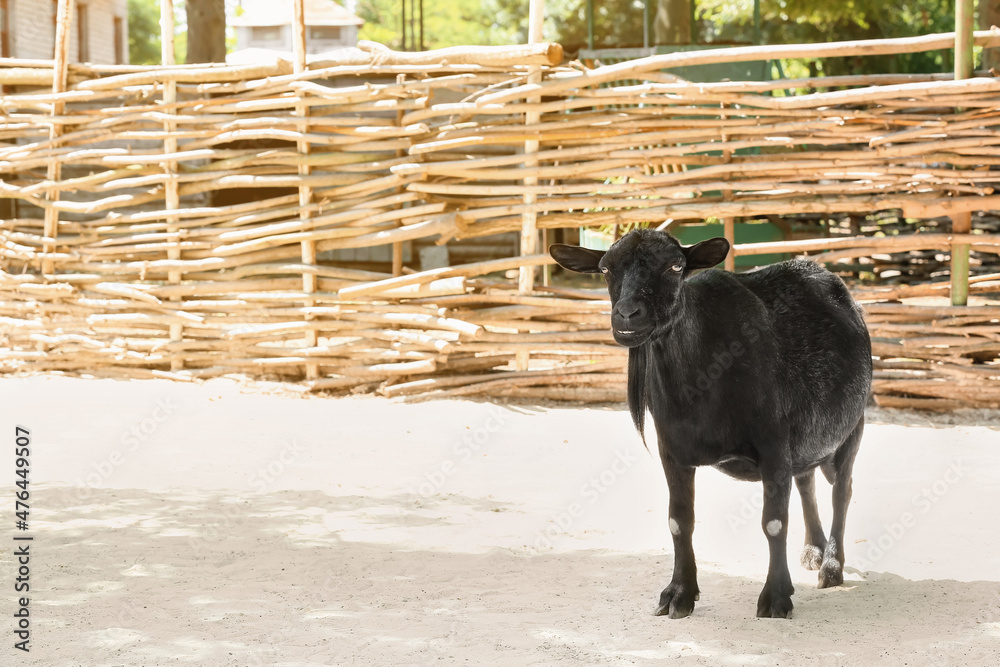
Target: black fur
(637, 360)
(763, 375)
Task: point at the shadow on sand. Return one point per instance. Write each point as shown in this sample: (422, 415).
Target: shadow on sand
(213, 578)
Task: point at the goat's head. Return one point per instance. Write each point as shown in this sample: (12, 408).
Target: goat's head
(645, 270)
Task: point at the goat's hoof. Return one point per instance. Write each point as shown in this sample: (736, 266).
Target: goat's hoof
(677, 600)
(830, 574)
(773, 603)
(812, 557)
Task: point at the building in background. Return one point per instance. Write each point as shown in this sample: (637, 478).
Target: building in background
(267, 24)
(99, 32)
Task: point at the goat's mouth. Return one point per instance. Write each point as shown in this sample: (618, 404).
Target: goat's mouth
(630, 337)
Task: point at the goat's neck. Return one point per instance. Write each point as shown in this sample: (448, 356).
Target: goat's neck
(685, 328)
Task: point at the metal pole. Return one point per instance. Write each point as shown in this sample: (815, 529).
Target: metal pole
(757, 34)
(961, 223)
(692, 25)
(590, 24)
(647, 23)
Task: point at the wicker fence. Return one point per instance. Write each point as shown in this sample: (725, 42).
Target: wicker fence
(123, 256)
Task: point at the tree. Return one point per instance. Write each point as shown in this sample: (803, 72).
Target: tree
(144, 32)
(989, 16)
(820, 21)
(206, 33)
(673, 22)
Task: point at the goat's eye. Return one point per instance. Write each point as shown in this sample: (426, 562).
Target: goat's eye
(604, 270)
(677, 268)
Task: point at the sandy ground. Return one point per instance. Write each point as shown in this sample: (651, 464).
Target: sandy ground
(227, 524)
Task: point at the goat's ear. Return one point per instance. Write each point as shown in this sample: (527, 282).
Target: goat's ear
(576, 258)
(706, 254)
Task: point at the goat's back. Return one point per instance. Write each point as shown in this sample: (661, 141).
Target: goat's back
(802, 358)
(824, 350)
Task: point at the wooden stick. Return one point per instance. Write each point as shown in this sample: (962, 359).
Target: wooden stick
(64, 18)
(466, 270)
(629, 69)
(494, 56)
(305, 192)
(172, 189)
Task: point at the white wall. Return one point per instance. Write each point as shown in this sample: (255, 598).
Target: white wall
(33, 29)
(245, 39)
(348, 37)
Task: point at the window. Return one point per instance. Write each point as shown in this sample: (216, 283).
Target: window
(82, 34)
(5, 50)
(265, 33)
(119, 41)
(324, 33)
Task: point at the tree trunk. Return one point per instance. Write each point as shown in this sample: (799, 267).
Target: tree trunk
(989, 15)
(206, 21)
(673, 21)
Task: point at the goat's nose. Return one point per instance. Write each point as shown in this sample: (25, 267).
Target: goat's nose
(631, 310)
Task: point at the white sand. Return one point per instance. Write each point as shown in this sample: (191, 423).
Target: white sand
(225, 525)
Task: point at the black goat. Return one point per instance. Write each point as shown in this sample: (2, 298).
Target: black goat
(763, 375)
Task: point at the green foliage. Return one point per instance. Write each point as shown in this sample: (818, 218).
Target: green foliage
(446, 23)
(144, 32)
(619, 23)
(820, 21)
(180, 47)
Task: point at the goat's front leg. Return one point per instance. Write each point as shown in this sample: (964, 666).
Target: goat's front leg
(678, 598)
(775, 600)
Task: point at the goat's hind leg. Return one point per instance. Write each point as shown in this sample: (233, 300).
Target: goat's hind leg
(839, 472)
(812, 552)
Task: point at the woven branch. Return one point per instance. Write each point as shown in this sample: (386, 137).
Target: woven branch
(138, 273)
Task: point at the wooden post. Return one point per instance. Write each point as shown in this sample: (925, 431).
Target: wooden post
(961, 223)
(547, 269)
(729, 231)
(171, 190)
(64, 19)
(529, 227)
(965, 11)
(728, 223)
(397, 248)
(305, 191)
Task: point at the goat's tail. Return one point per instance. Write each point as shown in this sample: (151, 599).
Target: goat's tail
(637, 360)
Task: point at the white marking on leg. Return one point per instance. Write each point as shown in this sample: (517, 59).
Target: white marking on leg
(773, 527)
(674, 528)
